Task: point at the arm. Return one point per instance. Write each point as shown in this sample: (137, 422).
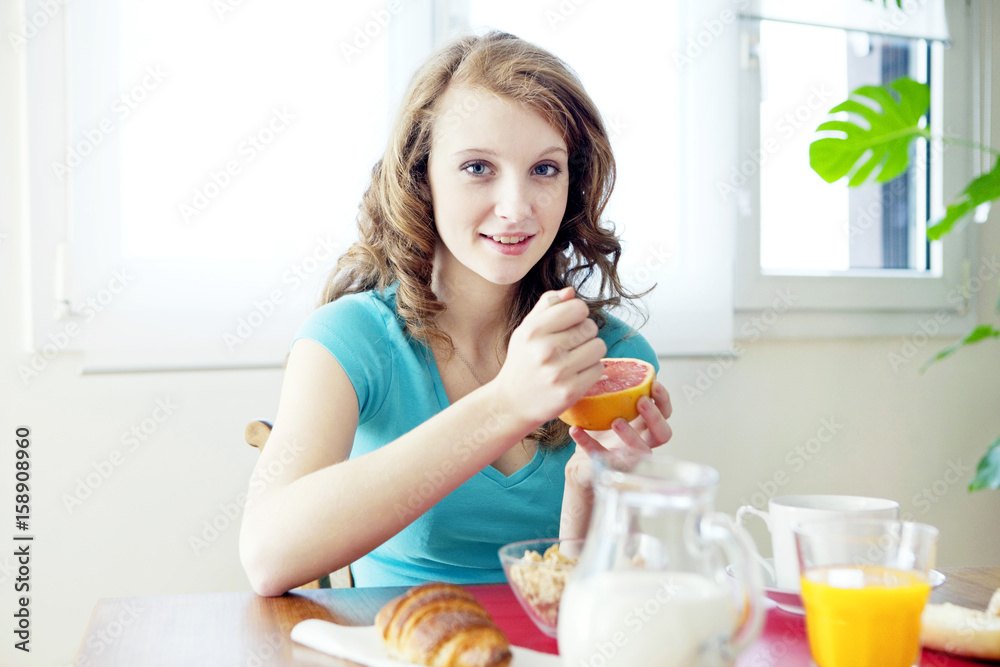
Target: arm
(310, 510)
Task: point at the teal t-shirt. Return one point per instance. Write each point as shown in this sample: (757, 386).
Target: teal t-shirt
(398, 387)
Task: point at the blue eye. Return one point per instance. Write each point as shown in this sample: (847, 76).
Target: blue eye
(476, 168)
(546, 170)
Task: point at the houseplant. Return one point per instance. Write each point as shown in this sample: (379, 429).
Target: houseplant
(872, 145)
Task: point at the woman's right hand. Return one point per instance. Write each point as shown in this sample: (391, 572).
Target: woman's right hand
(553, 358)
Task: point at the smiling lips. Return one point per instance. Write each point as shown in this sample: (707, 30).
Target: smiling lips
(509, 245)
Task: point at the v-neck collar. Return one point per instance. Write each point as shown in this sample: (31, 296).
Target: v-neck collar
(506, 481)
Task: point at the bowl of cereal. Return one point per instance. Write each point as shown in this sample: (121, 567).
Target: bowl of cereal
(537, 571)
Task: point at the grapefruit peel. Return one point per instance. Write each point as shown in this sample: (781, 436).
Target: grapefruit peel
(614, 395)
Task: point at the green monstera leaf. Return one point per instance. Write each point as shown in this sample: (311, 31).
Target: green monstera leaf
(983, 189)
(988, 470)
(877, 134)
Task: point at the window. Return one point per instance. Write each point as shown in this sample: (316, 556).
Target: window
(829, 249)
(199, 168)
(872, 227)
(196, 167)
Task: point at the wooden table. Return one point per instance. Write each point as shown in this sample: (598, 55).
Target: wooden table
(229, 629)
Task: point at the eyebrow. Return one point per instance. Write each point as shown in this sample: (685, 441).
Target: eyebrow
(492, 153)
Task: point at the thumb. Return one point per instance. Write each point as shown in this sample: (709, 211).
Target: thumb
(555, 297)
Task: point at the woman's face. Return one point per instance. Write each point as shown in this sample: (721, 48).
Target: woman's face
(499, 179)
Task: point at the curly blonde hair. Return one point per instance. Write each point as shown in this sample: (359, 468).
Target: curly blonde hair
(397, 234)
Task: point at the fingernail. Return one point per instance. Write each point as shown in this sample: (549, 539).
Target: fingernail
(553, 300)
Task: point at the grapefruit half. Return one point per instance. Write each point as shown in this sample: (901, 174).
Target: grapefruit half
(612, 396)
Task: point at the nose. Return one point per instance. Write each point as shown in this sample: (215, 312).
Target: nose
(514, 200)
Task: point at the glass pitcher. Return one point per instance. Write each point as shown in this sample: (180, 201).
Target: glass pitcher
(651, 586)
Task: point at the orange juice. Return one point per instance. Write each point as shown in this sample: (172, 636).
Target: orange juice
(864, 616)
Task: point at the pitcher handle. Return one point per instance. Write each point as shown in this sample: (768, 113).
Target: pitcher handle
(741, 552)
(766, 518)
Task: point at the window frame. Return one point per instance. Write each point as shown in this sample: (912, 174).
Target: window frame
(863, 302)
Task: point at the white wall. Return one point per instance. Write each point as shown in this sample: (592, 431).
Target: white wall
(897, 434)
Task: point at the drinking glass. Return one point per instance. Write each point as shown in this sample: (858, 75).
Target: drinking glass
(864, 587)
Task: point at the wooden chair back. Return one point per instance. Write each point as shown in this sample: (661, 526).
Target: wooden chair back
(256, 434)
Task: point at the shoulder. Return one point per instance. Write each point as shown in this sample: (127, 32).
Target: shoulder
(363, 334)
(624, 341)
(362, 315)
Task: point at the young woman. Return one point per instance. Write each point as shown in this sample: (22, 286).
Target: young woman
(416, 431)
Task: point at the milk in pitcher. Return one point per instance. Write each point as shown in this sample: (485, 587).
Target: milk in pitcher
(637, 617)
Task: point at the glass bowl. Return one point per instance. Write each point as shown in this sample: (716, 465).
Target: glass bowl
(537, 571)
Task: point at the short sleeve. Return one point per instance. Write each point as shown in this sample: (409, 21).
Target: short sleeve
(624, 341)
(353, 329)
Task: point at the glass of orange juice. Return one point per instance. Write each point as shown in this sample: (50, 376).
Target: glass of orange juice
(864, 586)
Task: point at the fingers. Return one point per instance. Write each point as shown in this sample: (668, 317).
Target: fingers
(585, 440)
(553, 298)
(630, 436)
(662, 399)
(558, 311)
(654, 415)
(588, 356)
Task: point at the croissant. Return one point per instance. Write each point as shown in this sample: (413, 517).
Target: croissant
(441, 625)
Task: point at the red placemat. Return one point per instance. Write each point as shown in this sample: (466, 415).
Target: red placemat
(510, 617)
(782, 642)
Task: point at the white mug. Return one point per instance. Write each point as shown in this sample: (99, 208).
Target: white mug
(785, 511)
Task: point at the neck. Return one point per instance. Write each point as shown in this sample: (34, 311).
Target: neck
(474, 314)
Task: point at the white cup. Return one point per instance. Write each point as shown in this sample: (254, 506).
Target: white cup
(785, 511)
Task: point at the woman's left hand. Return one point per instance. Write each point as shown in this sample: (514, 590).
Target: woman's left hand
(647, 431)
